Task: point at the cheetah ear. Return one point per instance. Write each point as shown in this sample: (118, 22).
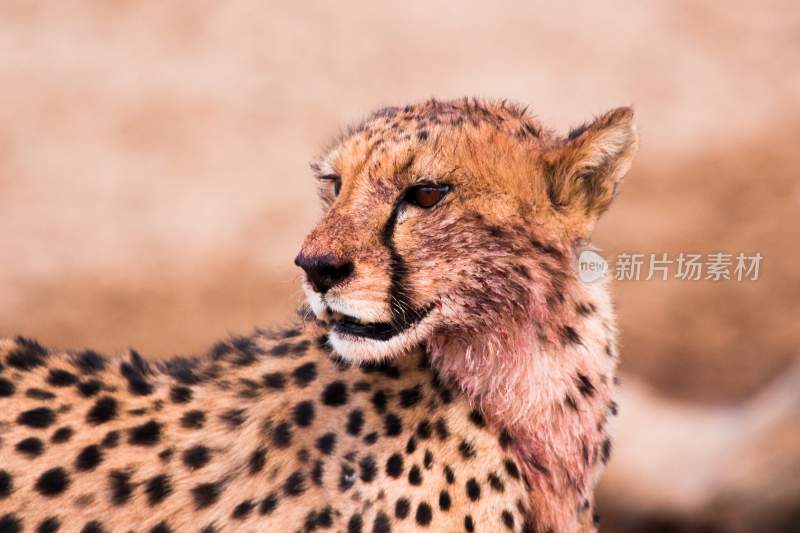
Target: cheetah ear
(583, 172)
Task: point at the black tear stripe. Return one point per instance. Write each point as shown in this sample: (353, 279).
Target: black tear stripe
(403, 311)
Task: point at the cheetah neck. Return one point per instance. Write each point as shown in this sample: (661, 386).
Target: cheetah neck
(546, 385)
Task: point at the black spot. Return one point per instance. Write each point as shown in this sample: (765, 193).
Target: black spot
(242, 510)
(570, 401)
(93, 527)
(511, 468)
(441, 429)
(411, 396)
(585, 386)
(161, 527)
(361, 386)
(394, 465)
(449, 475)
(295, 484)
(9, 523)
(39, 394)
(300, 348)
(368, 468)
(274, 380)
(31, 447)
(411, 445)
(476, 417)
(268, 504)
(89, 458)
(392, 424)
(401, 508)
(570, 336)
(347, 477)
(303, 413)
(193, 419)
(606, 450)
(180, 394)
(424, 514)
(496, 483)
(103, 410)
(61, 378)
(317, 471)
(210, 528)
(427, 460)
(233, 418)
(61, 435)
(505, 439)
(27, 355)
(111, 440)
(166, 454)
(422, 135)
(467, 449)
(473, 490)
(90, 388)
(183, 369)
(282, 435)
(40, 417)
(371, 438)
(257, 461)
(280, 349)
(196, 457)
(146, 434)
(6, 484)
(304, 374)
(335, 394)
(424, 429)
(381, 523)
(355, 524)
(90, 362)
(379, 400)
(445, 501)
(120, 485)
(157, 488)
(137, 383)
(7, 388)
(49, 525)
(415, 475)
(355, 422)
(326, 443)
(508, 519)
(206, 494)
(469, 524)
(53, 482)
(303, 455)
(384, 368)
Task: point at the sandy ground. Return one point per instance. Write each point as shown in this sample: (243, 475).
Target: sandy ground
(153, 158)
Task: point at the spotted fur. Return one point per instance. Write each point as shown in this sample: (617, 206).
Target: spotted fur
(483, 408)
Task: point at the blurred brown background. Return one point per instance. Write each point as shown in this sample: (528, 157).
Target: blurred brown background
(153, 158)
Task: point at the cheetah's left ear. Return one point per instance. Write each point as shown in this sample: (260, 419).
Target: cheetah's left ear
(584, 171)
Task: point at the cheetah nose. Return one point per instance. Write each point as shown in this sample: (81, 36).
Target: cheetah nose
(324, 271)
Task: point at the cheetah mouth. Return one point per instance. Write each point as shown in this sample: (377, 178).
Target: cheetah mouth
(381, 331)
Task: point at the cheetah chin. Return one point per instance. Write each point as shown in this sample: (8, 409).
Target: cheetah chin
(359, 333)
(359, 340)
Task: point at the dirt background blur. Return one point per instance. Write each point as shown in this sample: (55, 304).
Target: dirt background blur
(154, 185)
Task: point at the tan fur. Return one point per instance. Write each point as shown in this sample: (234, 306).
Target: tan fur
(510, 351)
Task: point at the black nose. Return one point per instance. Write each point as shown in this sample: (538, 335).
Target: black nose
(324, 271)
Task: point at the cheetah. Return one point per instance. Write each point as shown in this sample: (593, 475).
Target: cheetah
(448, 372)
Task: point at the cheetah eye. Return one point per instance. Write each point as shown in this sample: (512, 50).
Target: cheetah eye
(426, 195)
(335, 179)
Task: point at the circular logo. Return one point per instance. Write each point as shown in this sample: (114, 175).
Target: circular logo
(591, 266)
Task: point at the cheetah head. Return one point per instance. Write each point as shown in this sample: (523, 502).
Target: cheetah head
(454, 218)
